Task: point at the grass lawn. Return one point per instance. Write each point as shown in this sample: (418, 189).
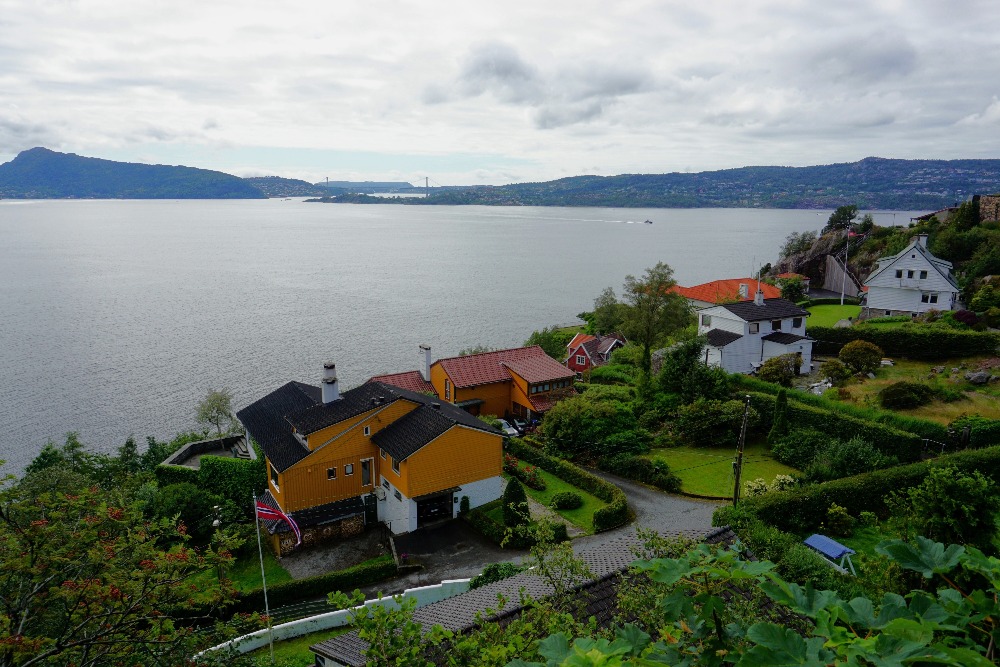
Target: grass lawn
(295, 652)
(978, 400)
(827, 316)
(708, 471)
(245, 572)
(582, 517)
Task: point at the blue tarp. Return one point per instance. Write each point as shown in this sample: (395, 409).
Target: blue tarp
(830, 548)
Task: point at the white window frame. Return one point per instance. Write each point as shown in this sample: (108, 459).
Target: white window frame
(754, 327)
(447, 389)
(395, 465)
(706, 320)
(371, 471)
(368, 430)
(580, 360)
(274, 478)
(348, 469)
(331, 473)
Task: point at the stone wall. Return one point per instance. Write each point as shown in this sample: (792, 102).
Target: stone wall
(989, 208)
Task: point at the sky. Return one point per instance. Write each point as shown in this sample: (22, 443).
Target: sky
(499, 92)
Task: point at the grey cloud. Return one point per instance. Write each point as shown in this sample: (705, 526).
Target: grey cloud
(867, 59)
(554, 116)
(498, 69)
(17, 134)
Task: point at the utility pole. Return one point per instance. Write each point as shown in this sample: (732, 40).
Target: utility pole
(738, 463)
(847, 251)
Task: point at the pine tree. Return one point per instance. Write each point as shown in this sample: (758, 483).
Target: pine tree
(779, 428)
(515, 505)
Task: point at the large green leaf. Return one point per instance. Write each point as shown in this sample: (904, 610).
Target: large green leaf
(780, 647)
(926, 556)
(806, 600)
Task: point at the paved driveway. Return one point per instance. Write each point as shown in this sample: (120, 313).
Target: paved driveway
(455, 551)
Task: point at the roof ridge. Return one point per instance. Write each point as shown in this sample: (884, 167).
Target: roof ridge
(481, 354)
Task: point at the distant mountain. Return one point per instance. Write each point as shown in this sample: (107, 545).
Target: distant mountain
(40, 173)
(275, 186)
(872, 183)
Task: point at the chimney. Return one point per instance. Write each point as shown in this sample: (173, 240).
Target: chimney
(922, 240)
(330, 388)
(744, 290)
(425, 371)
(758, 298)
(436, 406)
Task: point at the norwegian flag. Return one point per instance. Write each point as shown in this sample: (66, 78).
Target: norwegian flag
(271, 514)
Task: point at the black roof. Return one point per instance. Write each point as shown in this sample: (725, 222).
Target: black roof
(607, 564)
(772, 309)
(720, 338)
(270, 419)
(784, 338)
(264, 420)
(311, 516)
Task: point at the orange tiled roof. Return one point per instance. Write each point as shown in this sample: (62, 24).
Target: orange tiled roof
(411, 380)
(543, 402)
(721, 291)
(579, 339)
(539, 369)
(487, 367)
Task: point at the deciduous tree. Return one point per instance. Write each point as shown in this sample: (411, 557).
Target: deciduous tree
(653, 310)
(216, 409)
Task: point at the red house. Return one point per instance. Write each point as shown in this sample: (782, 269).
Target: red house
(585, 351)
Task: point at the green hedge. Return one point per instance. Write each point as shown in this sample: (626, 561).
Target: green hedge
(983, 432)
(803, 509)
(907, 447)
(914, 341)
(311, 588)
(171, 474)
(235, 479)
(831, 301)
(654, 473)
(614, 514)
(494, 530)
(922, 427)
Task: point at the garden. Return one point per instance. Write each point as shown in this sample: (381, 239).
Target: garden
(827, 315)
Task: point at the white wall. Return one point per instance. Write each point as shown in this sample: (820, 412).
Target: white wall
(480, 493)
(399, 515)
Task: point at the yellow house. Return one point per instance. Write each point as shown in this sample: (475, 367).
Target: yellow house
(523, 382)
(376, 450)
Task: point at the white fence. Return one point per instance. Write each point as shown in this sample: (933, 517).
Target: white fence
(424, 595)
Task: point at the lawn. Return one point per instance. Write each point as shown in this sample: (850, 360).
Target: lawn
(295, 652)
(245, 572)
(708, 471)
(978, 400)
(582, 517)
(827, 316)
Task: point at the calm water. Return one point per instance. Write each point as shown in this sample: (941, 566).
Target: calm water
(118, 316)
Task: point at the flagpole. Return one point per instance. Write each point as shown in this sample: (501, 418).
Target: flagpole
(263, 579)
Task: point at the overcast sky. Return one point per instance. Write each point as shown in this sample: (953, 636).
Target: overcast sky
(499, 92)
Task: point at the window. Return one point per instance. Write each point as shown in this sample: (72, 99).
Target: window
(368, 430)
(706, 320)
(755, 327)
(274, 476)
(366, 471)
(447, 389)
(775, 325)
(580, 359)
(395, 464)
(349, 469)
(331, 473)
(534, 389)
(796, 322)
(923, 275)
(888, 313)
(399, 496)
(381, 452)
(909, 274)
(385, 482)
(899, 273)
(928, 297)
(545, 387)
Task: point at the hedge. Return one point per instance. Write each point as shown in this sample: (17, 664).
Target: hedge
(173, 474)
(831, 301)
(656, 473)
(803, 509)
(614, 514)
(983, 432)
(235, 479)
(922, 427)
(907, 447)
(290, 592)
(911, 341)
(494, 530)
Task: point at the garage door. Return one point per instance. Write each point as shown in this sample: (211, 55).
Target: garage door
(434, 509)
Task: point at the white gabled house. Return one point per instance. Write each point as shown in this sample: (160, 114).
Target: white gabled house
(742, 336)
(911, 282)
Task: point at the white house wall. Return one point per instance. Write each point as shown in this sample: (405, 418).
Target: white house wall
(400, 515)
(741, 355)
(480, 493)
(887, 292)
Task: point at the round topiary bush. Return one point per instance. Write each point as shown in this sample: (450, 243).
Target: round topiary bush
(905, 395)
(566, 500)
(861, 356)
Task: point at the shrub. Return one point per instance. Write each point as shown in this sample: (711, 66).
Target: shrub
(711, 422)
(861, 356)
(783, 483)
(780, 370)
(983, 432)
(966, 317)
(566, 500)
(494, 572)
(614, 374)
(836, 459)
(684, 373)
(515, 505)
(835, 371)
(799, 447)
(632, 441)
(838, 522)
(582, 423)
(655, 473)
(521, 538)
(755, 487)
(779, 424)
(905, 395)
(867, 519)
(234, 479)
(463, 505)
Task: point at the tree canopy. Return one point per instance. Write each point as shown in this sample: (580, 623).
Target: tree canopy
(653, 311)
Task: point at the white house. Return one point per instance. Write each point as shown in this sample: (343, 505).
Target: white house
(742, 336)
(911, 282)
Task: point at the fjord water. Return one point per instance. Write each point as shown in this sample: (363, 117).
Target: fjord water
(118, 316)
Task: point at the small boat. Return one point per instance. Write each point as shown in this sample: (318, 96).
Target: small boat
(647, 222)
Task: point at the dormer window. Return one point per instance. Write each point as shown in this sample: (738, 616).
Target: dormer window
(706, 320)
(775, 325)
(754, 327)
